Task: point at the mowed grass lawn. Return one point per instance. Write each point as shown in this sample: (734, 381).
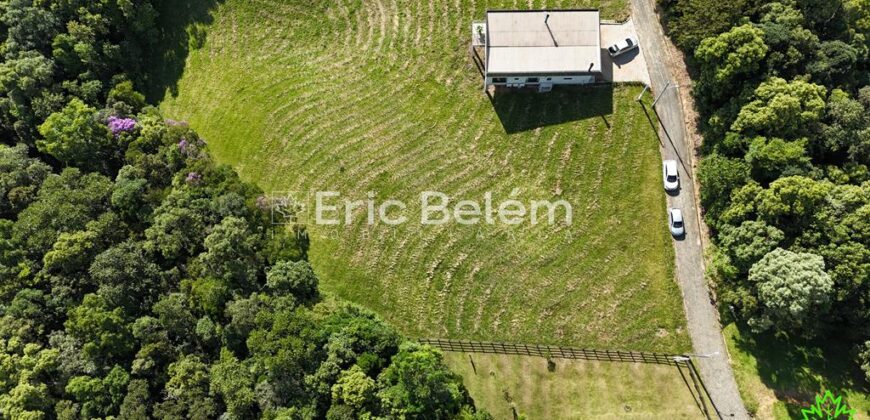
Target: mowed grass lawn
(577, 389)
(381, 95)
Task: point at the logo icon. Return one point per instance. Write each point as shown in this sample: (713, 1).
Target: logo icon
(287, 208)
(828, 408)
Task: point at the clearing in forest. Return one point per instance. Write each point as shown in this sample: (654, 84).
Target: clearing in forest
(381, 95)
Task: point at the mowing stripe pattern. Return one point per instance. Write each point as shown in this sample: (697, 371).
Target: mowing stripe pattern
(381, 95)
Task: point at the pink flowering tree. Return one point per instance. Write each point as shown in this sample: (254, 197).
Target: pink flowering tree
(119, 125)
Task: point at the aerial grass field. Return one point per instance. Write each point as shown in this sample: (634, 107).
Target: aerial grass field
(577, 389)
(356, 96)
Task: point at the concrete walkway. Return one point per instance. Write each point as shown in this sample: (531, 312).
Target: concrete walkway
(628, 67)
(703, 318)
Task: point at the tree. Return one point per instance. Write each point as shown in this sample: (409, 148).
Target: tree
(791, 203)
(242, 314)
(24, 371)
(848, 264)
(690, 21)
(790, 43)
(725, 57)
(209, 295)
(373, 342)
(282, 349)
(864, 359)
(175, 231)
(744, 204)
(834, 63)
(75, 137)
(74, 251)
(137, 402)
(417, 384)
(846, 129)
(130, 195)
(175, 317)
(857, 223)
(234, 381)
(749, 242)
(65, 203)
(858, 13)
(127, 278)
(719, 176)
(232, 253)
(780, 108)
(187, 391)
(20, 178)
(125, 100)
(794, 291)
(182, 220)
(824, 17)
(355, 390)
(155, 352)
(24, 78)
(102, 329)
(28, 316)
(293, 277)
(99, 397)
(26, 401)
(773, 157)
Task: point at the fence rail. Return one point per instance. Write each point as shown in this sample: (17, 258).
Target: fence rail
(560, 352)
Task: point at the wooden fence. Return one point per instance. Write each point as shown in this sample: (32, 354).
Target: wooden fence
(559, 352)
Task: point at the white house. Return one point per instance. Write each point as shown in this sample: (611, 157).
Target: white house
(540, 48)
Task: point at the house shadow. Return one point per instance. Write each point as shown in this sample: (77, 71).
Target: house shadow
(523, 110)
(181, 28)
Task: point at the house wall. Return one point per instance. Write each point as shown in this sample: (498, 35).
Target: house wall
(521, 81)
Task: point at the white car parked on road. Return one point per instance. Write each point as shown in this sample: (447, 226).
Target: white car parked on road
(675, 222)
(622, 46)
(670, 175)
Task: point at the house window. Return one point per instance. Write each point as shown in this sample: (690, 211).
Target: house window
(499, 79)
(532, 80)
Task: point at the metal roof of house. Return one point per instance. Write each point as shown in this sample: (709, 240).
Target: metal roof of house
(520, 42)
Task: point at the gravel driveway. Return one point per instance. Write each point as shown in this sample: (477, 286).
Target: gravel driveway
(703, 318)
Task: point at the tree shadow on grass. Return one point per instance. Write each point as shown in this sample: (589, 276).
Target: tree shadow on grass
(798, 370)
(182, 28)
(525, 110)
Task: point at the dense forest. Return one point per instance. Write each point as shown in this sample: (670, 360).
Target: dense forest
(783, 91)
(139, 279)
